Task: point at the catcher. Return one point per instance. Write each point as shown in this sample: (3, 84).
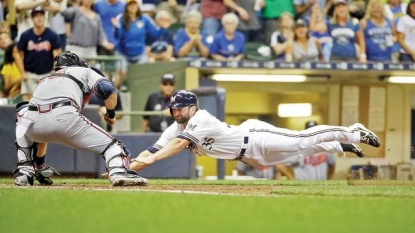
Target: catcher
(53, 115)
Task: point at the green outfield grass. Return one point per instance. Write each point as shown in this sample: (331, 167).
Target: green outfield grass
(291, 206)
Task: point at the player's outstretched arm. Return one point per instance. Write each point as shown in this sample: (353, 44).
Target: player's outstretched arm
(145, 158)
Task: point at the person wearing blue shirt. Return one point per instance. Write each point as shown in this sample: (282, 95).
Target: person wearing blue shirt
(131, 29)
(108, 9)
(346, 32)
(228, 44)
(189, 41)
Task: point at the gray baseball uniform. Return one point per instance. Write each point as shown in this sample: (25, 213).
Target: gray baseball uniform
(53, 116)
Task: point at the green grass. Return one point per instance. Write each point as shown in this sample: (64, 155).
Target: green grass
(292, 206)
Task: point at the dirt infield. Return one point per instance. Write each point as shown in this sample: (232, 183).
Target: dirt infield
(257, 190)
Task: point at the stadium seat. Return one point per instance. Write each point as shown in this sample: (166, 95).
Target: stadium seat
(258, 52)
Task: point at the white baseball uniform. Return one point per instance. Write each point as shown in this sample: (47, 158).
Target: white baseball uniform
(255, 140)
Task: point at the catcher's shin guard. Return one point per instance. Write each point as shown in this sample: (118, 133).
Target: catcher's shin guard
(25, 171)
(117, 163)
(116, 157)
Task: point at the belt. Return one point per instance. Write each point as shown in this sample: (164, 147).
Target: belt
(49, 107)
(243, 148)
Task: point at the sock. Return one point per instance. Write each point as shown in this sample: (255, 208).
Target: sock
(40, 161)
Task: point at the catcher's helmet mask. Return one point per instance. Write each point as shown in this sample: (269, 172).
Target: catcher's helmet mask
(67, 58)
(181, 99)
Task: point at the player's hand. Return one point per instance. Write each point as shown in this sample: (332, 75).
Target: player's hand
(110, 121)
(243, 14)
(141, 162)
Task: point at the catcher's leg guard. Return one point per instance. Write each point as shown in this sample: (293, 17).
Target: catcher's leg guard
(44, 174)
(25, 171)
(117, 163)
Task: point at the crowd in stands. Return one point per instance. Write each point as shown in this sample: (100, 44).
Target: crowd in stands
(141, 31)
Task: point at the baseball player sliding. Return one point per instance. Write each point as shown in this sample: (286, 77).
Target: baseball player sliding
(254, 142)
(53, 115)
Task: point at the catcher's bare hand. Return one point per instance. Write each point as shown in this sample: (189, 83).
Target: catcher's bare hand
(110, 121)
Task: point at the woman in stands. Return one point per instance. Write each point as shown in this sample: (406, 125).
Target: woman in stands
(346, 33)
(86, 31)
(228, 44)
(379, 32)
(131, 28)
(304, 47)
(284, 35)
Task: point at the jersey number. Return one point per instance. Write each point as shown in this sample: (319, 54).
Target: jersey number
(208, 143)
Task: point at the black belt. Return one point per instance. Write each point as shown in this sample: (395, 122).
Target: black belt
(243, 150)
(49, 107)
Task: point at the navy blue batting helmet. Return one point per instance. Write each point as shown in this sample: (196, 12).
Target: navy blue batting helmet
(181, 99)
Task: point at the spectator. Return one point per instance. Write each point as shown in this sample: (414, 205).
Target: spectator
(158, 101)
(318, 29)
(346, 32)
(272, 13)
(378, 31)
(161, 48)
(318, 166)
(130, 30)
(303, 8)
(57, 22)
(394, 10)
(86, 31)
(108, 9)
(189, 41)
(281, 38)
(38, 46)
(406, 34)
(12, 69)
(304, 47)
(249, 23)
(23, 9)
(174, 7)
(212, 13)
(229, 44)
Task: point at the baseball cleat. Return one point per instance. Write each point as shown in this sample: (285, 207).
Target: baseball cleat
(353, 148)
(43, 175)
(367, 136)
(21, 179)
(122, 179)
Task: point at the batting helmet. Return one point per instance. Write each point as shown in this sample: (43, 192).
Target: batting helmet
(310, 124)
(68, 59)
(181, 99)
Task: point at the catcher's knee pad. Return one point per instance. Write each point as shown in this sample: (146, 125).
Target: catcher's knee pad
(21, 108)
(116, 157)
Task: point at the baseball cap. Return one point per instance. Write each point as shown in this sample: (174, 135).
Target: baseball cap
(310, 124)
(37, 9)
(168, 78)
(300, 23)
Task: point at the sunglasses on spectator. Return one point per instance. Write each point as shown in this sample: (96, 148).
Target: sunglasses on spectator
(165, 83)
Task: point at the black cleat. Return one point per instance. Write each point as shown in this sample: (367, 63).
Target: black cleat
(353, 148)
(367, 136)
